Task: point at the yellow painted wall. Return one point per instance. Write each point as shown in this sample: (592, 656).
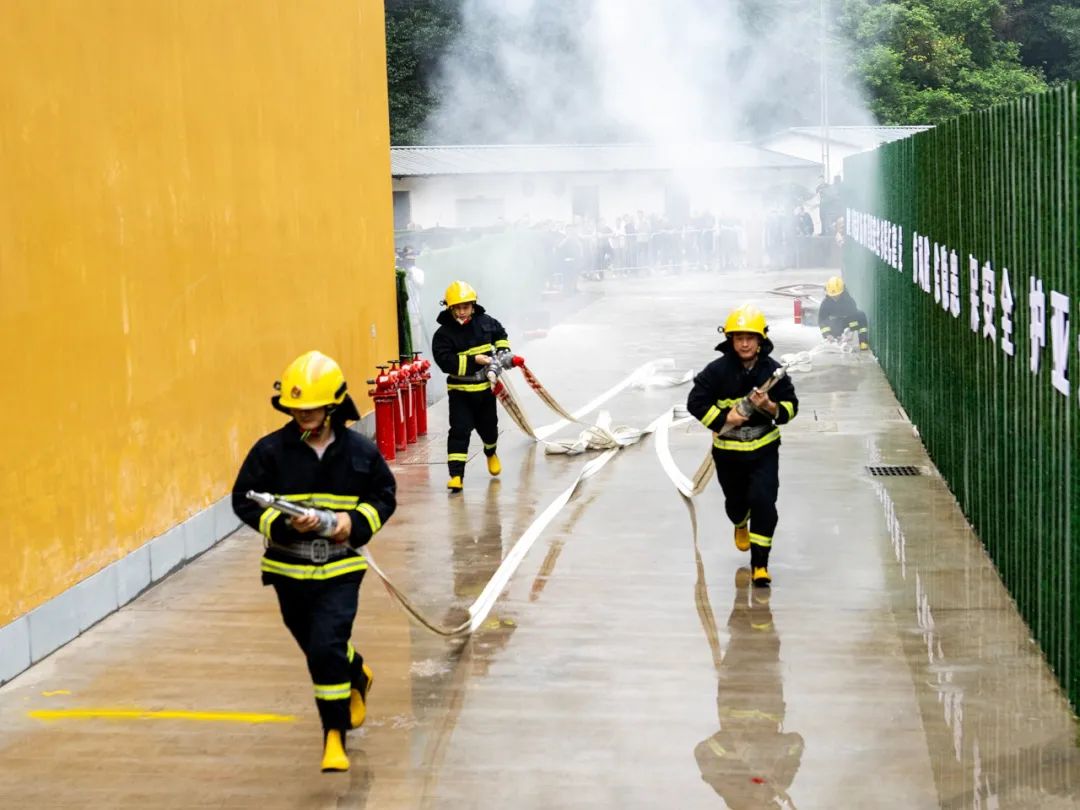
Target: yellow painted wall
(192, 192)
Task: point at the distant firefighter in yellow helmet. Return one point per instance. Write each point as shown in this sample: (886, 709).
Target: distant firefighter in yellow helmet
(463, 346)
(747, 454)
(839, 312)
(317, 461)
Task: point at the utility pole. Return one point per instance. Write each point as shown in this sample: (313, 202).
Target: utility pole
(824, 93)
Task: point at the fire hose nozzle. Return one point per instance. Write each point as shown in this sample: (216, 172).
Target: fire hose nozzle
(327, 519)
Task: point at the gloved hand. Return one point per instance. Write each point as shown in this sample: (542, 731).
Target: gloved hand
(745, 407)
(322, 522)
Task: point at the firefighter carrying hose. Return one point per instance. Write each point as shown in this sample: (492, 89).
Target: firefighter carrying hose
(317, 461)
(725, 397)
(464, 345)
(839, 312)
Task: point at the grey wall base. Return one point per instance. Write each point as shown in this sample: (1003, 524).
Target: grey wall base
(366, 425)
(50, 626)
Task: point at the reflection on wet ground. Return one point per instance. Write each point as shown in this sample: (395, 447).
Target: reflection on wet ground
(751, 760)
(997, 727)
(886, 668)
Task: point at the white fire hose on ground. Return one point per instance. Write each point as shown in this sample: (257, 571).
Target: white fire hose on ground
(599, 436)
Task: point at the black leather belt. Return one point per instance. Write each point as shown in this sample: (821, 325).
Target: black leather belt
(747, 433)
(318, 551)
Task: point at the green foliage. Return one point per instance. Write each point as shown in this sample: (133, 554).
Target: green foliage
(418, 33)
(1067, 24)
(922, 61)
(1048, 32)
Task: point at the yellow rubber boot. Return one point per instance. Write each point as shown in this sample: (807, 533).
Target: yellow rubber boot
(358, 699)
(761, 577)
(454, 484)
(742, 537)
(334, 760)
(494, 466)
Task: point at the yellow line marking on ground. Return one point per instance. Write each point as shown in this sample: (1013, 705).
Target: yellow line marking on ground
(55, 692)
(140, 714)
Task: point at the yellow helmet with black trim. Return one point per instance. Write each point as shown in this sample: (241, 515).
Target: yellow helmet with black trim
(834, 286)
(312, 380)
(459, 292)
(746, 318)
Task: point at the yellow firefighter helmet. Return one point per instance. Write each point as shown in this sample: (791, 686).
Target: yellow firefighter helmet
(459, 292)
(312, 380)
(834, 286)
(746, 318)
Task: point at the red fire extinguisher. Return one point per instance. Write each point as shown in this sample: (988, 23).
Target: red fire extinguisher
(798, 310)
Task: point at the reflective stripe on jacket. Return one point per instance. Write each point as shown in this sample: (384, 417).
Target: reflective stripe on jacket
(351, 476)
(725, 381)
(455, 346)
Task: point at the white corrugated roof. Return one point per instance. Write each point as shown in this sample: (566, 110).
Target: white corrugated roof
(862, 137)
(407, 161)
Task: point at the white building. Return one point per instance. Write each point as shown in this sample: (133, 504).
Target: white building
(808, 143)
(476, 186)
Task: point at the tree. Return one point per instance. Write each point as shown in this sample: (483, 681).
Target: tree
(922, 61)
(1048, 32)
(418, 33)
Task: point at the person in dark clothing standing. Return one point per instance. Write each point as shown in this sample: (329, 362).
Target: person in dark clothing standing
(315, 460)
(464, 346)
(746, 444)
(839, 312)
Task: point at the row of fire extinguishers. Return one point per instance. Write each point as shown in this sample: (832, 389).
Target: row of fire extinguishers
(400, 395)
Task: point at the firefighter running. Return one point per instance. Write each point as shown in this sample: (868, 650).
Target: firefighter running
(317, 461)
(747, 456)
(839, 312)
(464, 345)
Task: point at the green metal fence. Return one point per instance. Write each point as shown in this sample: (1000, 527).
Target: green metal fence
(963, 245)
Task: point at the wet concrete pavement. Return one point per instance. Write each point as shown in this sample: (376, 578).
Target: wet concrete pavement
(625, 666)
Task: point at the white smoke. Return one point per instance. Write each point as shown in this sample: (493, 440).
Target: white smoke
(656, 71)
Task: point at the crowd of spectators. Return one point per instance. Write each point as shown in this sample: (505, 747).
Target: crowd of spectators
(641, 243)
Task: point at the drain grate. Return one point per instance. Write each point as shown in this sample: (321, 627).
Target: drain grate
(893, 469)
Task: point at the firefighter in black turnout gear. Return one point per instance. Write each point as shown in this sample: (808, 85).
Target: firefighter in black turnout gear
(315, 460)
(747, 454)
(839, 312)
(463, 346)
